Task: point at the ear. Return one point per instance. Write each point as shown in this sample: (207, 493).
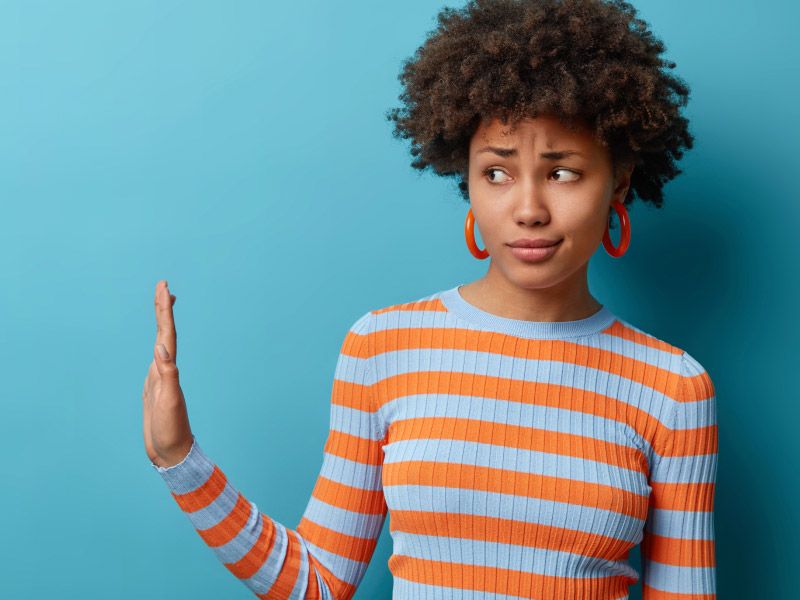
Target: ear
(622, 181)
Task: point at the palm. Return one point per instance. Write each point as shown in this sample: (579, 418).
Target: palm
(167, 435)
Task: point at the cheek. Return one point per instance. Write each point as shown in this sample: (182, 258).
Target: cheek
(584, 227)
(493, 222)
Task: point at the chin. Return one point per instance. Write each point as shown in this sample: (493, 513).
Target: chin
(543, 275)
(535, 277)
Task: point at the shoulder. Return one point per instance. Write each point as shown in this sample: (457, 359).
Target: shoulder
(641, 340)
(685, 372)
(388, 326)
(405, 312)
(679, 389)
(426, 303)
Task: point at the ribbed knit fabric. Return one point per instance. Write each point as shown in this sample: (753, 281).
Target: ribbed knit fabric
(515, 459)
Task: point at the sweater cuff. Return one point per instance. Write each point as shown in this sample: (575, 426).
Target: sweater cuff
(189, 474)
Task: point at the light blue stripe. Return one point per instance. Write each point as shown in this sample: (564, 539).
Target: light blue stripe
(211, 514)
(595, 380)
(699, 468)
(696, 414)
(524, 461)
(352, 369)
(403, 588)
(431, 319)
(244, 540)
(344, 521)
(476, 317)
(507, 412)
(327, 594)
(453, 363)
(663, 359)
(266, 575)
(190, 473)
(680, 580)
(587, 519)
(350, 472)
(354, 422)
(301, 583)
(345, 569)
(685, 525)
(483, 553)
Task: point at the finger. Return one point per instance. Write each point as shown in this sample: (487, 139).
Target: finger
(167, 369)
(160, 325)
(165, 320)
(157, 305)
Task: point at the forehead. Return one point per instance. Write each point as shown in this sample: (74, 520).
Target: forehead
(544, 131)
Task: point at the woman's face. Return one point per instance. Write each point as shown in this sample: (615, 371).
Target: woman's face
(541, 180)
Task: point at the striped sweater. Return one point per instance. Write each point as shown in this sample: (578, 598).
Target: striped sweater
(514, 458)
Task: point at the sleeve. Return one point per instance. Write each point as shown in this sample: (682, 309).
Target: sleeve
(327, 555)
(677, 551)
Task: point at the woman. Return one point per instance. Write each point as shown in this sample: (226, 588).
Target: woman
(521, 436)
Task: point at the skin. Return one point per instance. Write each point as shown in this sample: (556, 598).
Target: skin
(167, 434)
(524, 196)
(528, 196)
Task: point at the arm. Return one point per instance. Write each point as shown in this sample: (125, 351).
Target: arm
(678, 553)
(328, 554)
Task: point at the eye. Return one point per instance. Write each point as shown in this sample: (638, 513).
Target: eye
(568, 171)
(489, 170)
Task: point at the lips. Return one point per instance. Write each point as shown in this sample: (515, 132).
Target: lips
(533, 243)
(543, 250)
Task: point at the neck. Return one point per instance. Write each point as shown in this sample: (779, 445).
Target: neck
(568, 300)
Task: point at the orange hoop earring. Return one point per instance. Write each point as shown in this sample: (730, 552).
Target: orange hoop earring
(625, 234)
(469, 233)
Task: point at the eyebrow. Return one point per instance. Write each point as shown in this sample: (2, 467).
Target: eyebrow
(553, 155)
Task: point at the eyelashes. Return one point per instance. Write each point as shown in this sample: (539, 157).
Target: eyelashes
(487, 171)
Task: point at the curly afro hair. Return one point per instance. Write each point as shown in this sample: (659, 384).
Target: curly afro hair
(592, 63)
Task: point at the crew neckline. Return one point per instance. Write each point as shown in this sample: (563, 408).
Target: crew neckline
(456, 304)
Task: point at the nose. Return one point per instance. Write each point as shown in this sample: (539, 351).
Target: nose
(530, 208)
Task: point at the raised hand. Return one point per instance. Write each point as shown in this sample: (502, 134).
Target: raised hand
(167, 434)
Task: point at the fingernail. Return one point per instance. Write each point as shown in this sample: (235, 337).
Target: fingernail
(162, 351)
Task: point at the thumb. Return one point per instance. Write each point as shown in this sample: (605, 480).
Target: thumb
(165, 364)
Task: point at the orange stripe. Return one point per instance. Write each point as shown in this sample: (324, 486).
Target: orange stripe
(371, 502)
(227, 529)
(503, 481)
(692, 442)
(335, 542)
(414, 338)
(251, 562)
(616, 328)
(203, 495)
(352, 447)
(515, 390)
(679, 552)
(506, 581)
(508, 531)
(338, 588)
(351, 395)
(430, 305)
(654, 594)
(431, 382)
(518, 437)
(683, 496)
(701, 386)
(620, 330)
(355, 344)
(287, 577)
(312, 591)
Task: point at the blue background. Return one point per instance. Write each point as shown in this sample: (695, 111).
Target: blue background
(240, 150)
